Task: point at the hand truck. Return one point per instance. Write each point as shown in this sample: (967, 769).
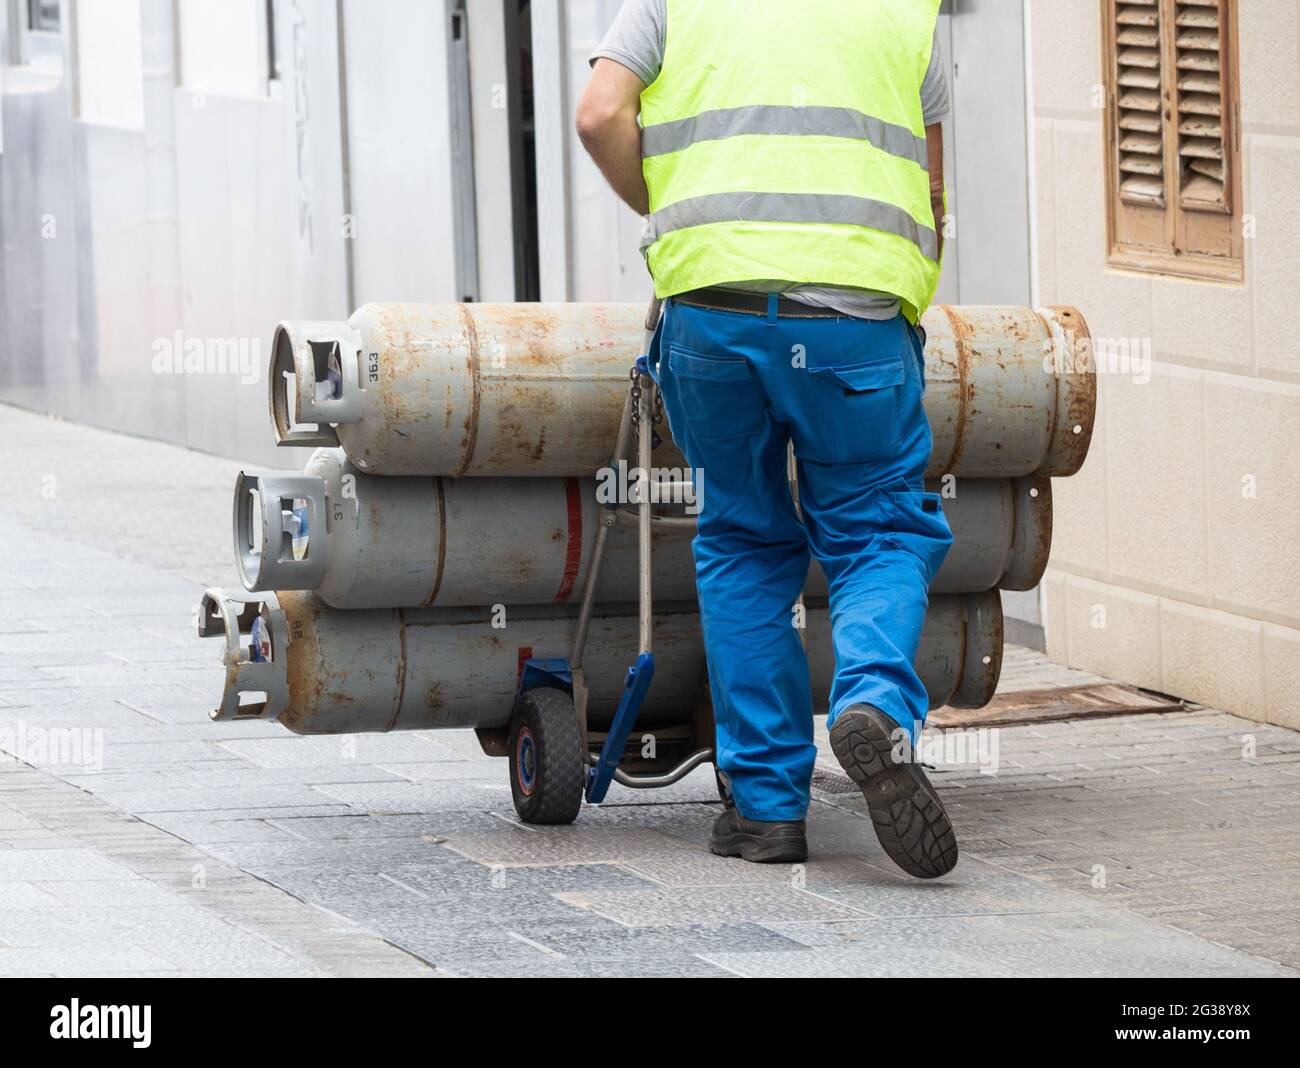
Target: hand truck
(553, 762)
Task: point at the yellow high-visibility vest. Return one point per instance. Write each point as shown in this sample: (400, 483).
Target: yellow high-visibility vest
(785, 140)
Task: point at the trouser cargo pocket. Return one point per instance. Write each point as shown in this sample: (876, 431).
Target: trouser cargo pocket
(860, 405)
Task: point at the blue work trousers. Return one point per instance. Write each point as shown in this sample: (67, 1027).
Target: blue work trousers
(737, 389)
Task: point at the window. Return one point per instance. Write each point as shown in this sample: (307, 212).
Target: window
(108, 63)
(227, 47)
(1173, 166)
(43, 15)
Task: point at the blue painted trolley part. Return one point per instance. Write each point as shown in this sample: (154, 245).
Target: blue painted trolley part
(634, 691)
(539, 672)
(558, 673)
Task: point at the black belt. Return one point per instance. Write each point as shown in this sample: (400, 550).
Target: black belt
(735, 300)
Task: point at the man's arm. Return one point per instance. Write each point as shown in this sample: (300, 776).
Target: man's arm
(934, 163)
(607, 125)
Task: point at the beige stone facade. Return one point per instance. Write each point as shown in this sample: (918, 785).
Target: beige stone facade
(1176, 556)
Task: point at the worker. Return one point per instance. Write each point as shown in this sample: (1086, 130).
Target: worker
(787, 160)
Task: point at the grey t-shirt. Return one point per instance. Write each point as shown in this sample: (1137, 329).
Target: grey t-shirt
(636, 40)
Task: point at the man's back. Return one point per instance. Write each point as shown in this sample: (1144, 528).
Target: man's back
(637, 40)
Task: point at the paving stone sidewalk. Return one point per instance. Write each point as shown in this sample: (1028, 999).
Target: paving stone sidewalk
(137, 837)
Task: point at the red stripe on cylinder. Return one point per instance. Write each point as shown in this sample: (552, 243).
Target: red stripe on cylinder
(573, 550)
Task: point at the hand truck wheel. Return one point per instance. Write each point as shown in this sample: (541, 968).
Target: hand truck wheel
(548, 767)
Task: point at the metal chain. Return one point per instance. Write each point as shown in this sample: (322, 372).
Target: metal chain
(657, 416)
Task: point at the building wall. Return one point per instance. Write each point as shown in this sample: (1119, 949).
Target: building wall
(205, 208)
(187, 216)
(1175, 561)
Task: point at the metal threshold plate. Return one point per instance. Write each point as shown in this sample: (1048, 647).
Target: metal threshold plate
(1059, 703)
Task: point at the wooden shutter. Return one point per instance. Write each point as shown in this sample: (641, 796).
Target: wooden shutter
(1141, 157)
(1202, 149)
(1173, 156)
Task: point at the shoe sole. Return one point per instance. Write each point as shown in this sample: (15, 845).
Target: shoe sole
(910, 820)
(760, 850)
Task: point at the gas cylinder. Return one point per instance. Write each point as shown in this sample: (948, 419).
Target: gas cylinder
(320, 670)
(537, 390)
(364, 541)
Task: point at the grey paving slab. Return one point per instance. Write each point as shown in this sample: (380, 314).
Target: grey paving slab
(549, 846)
(693, 867)
(872, 962)
(97, 905)
(81, 962)
(16, 895)
(355, 854)
(354, 824)
(222, 812)
(207, 775)
(342, 891)
(11, 820)
(613, 941)
(214, 832)
(455, 880)
(43, 839)
(289, 751)
(244, 798)
(418, 797)
(882, 893)
(679, 967)
(1036, 948)
(61, 698)
(111, 717)
(44, 865)
(685, 967)
(122, 893)
(444, 771)
(436, 916)
(689, 823)
(680, 905)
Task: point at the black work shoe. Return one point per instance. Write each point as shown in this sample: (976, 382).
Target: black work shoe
(909, 818)
(760, 841)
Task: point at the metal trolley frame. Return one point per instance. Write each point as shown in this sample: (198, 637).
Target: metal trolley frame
(543, 750)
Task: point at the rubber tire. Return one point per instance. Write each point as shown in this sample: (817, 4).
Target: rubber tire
(560, 765)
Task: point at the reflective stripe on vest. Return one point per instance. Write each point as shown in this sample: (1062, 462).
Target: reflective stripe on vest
(787, 208)
(784, 121)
